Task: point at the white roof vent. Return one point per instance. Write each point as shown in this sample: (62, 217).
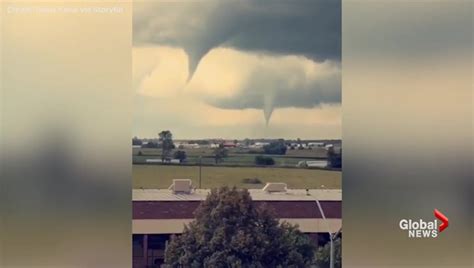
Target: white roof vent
(275, 187)
(181, 186)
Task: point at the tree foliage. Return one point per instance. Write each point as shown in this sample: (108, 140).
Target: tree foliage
(247, 142)
(276, 147)
(334, 158)
(323, 254)
(232, 231)
(166, 140)
(136, 141)
(220, 153)
(181, 155)
(150, 144)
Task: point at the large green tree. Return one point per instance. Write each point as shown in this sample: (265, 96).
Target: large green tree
(167, 145)
(232, 231)
(220, 153)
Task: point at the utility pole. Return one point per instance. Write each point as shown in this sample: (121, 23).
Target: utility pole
(331, 238)
(200, 166)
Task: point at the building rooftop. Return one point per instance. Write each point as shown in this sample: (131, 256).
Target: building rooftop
(256, 194)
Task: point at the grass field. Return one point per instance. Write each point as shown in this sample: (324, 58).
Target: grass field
(236, 157)
(161, 176)
(315, 153)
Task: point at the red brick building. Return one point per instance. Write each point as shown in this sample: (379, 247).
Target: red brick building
(157, 214)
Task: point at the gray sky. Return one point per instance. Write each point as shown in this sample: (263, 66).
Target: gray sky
(237, 69)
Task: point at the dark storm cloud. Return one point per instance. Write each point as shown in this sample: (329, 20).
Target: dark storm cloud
(268, 101)
(284, 87)
(308, 28)
(304, 98)
(312, 29)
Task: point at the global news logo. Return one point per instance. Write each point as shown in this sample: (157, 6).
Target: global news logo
(425, 229)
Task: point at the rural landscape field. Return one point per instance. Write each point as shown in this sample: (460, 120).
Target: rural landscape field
(237, 166)
(236, 146)
(236, 156)
(161, 176)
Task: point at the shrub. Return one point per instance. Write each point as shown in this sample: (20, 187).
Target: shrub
(254, 152)
(277, 147)
(181, 155)
(334, 158)
(264, 160)
(252, 181)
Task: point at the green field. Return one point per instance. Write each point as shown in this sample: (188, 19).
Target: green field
(315, 153)
(161, 176)
(236, 157)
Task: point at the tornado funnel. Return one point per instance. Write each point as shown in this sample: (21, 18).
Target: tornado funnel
(268, 106)
(194, 57)
(192, 66)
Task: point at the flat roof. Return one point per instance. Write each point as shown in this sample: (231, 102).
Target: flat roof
(256, 194)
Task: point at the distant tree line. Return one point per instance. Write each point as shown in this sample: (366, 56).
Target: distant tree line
(136, 141)
(275, 147)
(200, 142)
(151, 144)
(334, 158)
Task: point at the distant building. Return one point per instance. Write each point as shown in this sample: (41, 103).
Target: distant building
(229, 144)
(316, 144)
(259, 144)
(159, 213)
(292, 145)
(185, 145)
(154, 160)
(313, 164)
(213, 145)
